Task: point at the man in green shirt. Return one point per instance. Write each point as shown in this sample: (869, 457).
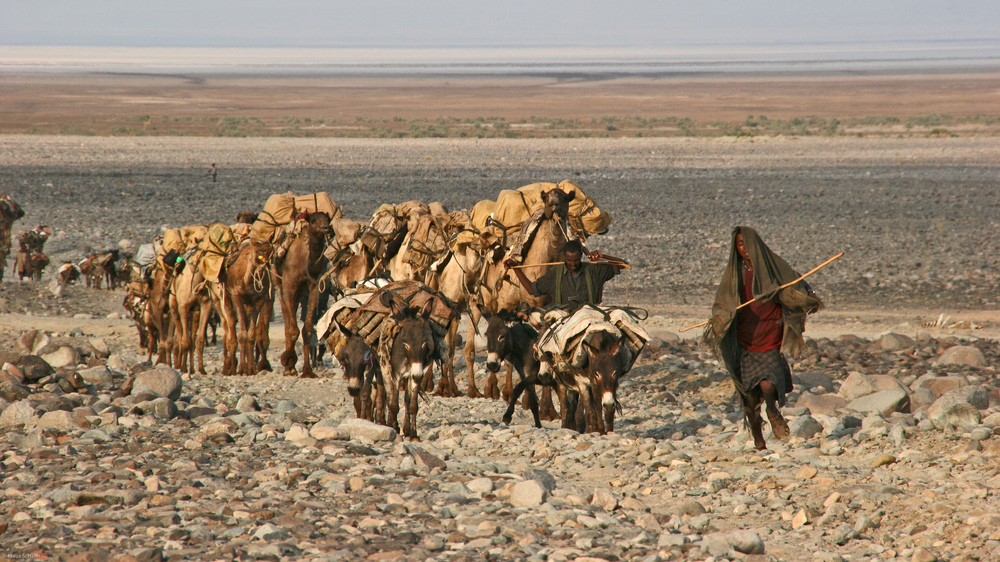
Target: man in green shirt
(573, 282)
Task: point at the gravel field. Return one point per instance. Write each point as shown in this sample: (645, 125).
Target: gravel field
(912, 215)
(895, 436)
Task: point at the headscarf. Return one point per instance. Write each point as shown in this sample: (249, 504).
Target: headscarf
(770, 273)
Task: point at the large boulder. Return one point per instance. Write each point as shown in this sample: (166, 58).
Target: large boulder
(96, 375)
(161, 379)
(35, 368)
(63, 356)
(896, 342)
(959, 407)
(825, 404)
(884, 401)
(804, 427)
(30, 342)
(357, 427)
(856, 385)
(963, 355)
(939, 385)
(813, 379)
(18, 414)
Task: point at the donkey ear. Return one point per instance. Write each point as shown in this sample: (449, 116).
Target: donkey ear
(570, 195)
(614, 347)
(483, 311)
(425, 312)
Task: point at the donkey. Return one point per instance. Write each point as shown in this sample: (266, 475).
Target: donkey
(596, 384)
(298, 279)
(410, 357)
(364, 379)
(508, 339)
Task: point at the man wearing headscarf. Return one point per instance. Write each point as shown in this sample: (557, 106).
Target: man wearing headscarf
(752, 341)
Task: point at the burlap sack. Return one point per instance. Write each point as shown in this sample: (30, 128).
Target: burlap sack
(193, 234)
(278, 211)
(214, 248)
(318, 203)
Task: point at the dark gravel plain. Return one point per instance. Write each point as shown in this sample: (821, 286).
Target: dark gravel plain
(916, 217)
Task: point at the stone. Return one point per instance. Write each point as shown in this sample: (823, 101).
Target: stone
(855, 386)
(800, 519)
(804, 427)
(18, 414)
(605, 499)
(64, 356)
(939, 385)
(542, 476)
(425, 458)
(959, 407)
(921, 554)
(884, 401)
(12, 392)
(328, 429)
(35, 368)
(164, 409)
(528, 493)
(896, 342)
(356, 427)
(962, 355)
(249, 404)
(882, 459)
(62, 420)
(161, 379)
(814, 379)
(886, 382)
(821, 404)
(270, 532)
(481, 485)
(844, 533)
(648, 522)
(100, 346)
(745, 542)
(30, 342)
(96, 375)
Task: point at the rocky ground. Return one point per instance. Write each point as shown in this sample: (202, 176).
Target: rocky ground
(893, 453)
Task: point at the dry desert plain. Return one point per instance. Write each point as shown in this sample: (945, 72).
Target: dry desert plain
(267, 467)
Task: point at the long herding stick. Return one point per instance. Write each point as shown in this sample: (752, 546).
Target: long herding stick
(618, 263)
(786, 285)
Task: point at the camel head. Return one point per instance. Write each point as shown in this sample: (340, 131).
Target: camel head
(556, 203)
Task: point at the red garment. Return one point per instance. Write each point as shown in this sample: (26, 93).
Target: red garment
(759, 325)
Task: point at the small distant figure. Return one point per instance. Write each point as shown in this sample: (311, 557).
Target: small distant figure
(213, 172)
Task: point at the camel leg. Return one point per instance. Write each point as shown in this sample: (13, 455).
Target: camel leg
(264, 335)
(229, 338)
(308, 335)
(289, 357)
(470, 350)
(205, 311)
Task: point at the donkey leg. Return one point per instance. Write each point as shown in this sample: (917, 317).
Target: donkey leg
(508, 385)
(533, 404)
(521, 386)
(547, 410)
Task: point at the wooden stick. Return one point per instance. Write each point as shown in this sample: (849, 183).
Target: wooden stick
(618, 263)
(785, 286)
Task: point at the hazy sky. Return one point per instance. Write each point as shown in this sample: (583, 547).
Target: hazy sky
(474, 23)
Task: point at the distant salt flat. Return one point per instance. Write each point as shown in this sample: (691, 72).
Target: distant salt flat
(956, 55)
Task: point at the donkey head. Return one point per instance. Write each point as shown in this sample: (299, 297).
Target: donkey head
(355, 357)
(413, 348)
(498, 340)
(604, 367)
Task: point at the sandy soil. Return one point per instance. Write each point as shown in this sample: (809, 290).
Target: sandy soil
(112, 103)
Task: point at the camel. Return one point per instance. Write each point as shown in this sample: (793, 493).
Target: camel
(246, 297)
(458, 279)
(157, 306)
(190, 303)
(298, 276)
(500, 291)
(9, 212)
(31, 260)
